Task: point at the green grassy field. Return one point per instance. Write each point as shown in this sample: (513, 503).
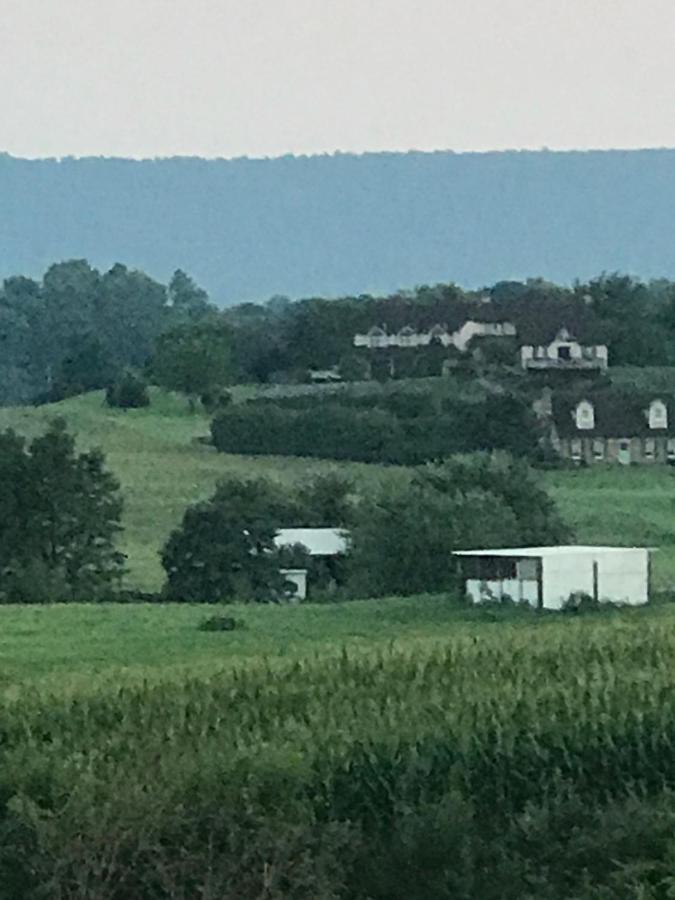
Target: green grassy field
(88, 647)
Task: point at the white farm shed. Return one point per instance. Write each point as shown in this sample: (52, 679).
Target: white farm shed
(546, 576)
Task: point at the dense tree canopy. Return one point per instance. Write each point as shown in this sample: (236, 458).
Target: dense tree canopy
(60, 518)
(77, 328)
(403, 536)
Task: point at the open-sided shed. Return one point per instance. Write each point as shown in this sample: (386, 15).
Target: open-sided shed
(545, 577)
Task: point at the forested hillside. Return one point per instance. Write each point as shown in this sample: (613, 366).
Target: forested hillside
(329, 225)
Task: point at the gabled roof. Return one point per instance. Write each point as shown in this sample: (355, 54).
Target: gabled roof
(317, 541)
(618, 413)
(539, 552)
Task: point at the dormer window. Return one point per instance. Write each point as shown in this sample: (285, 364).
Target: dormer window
(585, 415)
(406, 336)
(658, 414)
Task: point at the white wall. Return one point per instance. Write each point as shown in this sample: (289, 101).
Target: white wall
(622, 576)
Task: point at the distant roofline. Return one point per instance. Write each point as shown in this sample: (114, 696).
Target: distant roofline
(560, 550)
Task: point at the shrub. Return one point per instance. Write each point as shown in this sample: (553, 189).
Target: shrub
(219, 623)
(128, 392)
(213, 400)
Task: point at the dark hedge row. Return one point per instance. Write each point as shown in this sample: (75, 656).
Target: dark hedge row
(399, 430)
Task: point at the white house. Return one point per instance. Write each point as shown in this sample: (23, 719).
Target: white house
(379, 338)
(564, 352)
(545, 577)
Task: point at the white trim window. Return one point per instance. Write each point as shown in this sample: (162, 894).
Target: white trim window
(658, 414)
(585, 415)
(598, 449)
(650, 448)
(575, 449)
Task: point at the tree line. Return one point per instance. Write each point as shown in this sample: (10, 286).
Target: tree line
(78, 329)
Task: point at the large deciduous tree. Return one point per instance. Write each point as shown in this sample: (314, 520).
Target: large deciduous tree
(403, 537)
(60, 517)
(194, 359)
(224, 549)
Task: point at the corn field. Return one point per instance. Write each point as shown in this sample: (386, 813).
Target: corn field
(514, 763)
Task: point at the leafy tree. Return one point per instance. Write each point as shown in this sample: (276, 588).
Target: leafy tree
(87, 366)
(326, 501)
(60, 518)
(130, 313)
(186, 297)
(512, 481)
(224, 549)
(128, 392)
(404, 536)
(194, 359)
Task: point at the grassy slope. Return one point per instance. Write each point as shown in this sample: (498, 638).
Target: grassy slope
(162, 470)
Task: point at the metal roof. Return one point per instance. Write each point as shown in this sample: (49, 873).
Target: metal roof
(317, 541)
(566, 549)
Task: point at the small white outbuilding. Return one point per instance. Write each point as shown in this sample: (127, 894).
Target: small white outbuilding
(545, 577)
(322, 543)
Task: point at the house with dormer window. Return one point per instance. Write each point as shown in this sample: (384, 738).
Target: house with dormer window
(611, 426)
(564, 353)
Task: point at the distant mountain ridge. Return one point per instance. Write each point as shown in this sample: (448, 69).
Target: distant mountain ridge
(345, 224)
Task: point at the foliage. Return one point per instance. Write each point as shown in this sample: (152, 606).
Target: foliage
(194, 359)
(187, 299)
(86, 366)
(224, 549)
(325, 500)
(513, 482)
(403, 537)
(214, 400)
(400, 427)
(128, 392)
(61, 516)
(218, 623)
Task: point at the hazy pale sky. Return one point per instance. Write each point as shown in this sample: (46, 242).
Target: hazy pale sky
(268, 77)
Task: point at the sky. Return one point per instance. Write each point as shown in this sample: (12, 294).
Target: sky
(228, 78)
